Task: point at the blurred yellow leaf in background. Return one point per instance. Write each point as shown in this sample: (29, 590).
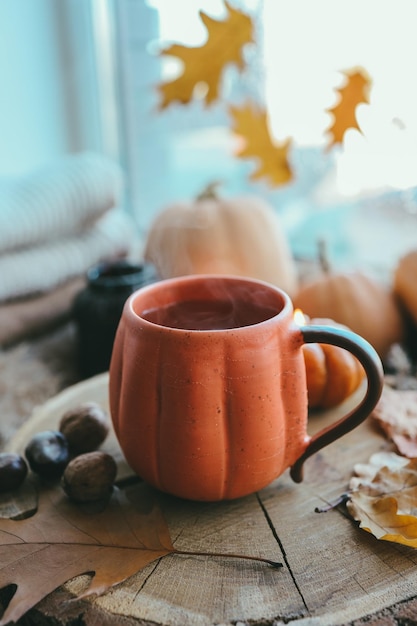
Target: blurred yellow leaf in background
(354, 92)
(204, 65)
(251, 124)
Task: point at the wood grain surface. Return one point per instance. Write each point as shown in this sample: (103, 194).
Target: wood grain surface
(333, 573)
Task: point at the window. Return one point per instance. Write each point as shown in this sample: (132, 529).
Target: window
(80, 75)
(302, 49)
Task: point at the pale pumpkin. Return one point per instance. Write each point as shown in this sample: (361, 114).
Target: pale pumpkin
(405, 283)
(358, 302)
(332, 373)
(212, 235)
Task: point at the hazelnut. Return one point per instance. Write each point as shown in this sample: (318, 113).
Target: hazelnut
(85, 427)
(89, 477)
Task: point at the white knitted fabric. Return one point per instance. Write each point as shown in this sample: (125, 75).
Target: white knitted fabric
(61, 199)
(40, 268)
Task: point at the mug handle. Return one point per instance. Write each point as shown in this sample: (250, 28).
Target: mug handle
(372, 365)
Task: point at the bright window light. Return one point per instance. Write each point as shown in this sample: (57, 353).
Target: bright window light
(306, 45)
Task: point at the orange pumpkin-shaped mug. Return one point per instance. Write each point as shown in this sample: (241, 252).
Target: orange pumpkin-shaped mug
(208, 392)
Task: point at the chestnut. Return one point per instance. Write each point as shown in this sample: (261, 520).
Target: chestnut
(48, 454)
(13, 471)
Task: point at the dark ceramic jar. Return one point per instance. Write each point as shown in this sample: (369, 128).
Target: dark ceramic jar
(98, 307)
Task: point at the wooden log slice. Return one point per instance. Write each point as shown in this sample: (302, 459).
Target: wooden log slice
(333, 573)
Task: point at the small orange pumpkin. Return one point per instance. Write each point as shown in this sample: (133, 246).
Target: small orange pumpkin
(332, 373)
(405, 283)
(214, 235)
(358, 302)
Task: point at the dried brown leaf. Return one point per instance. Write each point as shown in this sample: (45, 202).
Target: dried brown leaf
(384, 498)
(396, 415)
(366, 472)
(62, 541)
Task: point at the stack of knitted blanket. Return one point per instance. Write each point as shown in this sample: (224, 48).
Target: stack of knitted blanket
(54, 225)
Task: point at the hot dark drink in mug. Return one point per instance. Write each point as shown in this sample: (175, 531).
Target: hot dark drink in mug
(209, 314)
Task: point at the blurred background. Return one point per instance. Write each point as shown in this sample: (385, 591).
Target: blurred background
(80, 75)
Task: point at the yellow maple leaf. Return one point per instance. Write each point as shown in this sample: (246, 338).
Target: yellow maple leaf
(354, 92)
(251, 124)
(205, 64)
(384, 498)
